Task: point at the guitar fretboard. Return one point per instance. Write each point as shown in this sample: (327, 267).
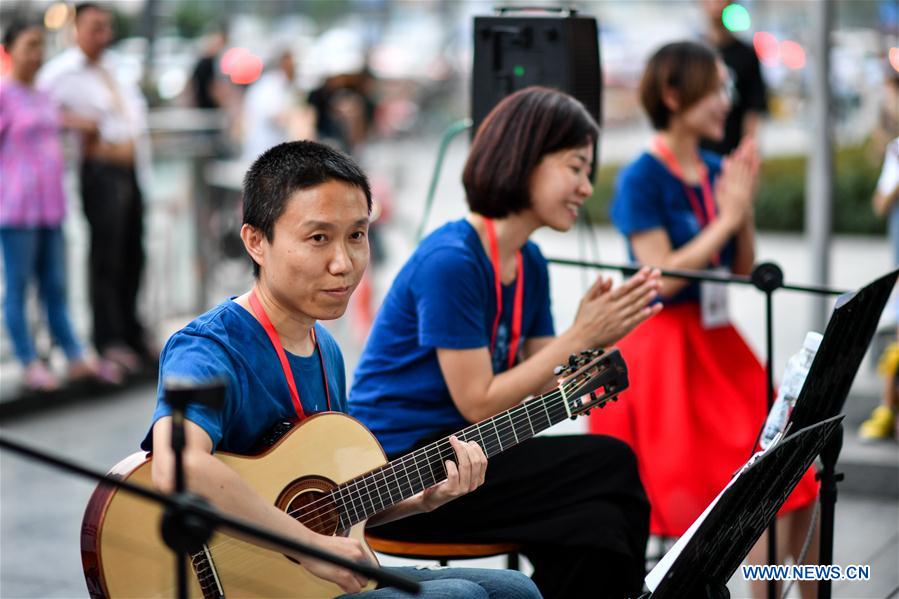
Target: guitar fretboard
(371, 493)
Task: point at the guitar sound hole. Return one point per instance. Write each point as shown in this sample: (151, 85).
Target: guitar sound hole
(308, 500)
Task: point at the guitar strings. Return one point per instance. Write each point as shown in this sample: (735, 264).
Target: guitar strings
(222, 548)
(364, 484)
(444, 450)
(326, 506)
(354, 488)
(229, 544)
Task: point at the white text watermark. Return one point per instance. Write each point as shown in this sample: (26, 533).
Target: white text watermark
(806, 572)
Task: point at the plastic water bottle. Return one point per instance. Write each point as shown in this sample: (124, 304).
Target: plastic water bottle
(790, 386)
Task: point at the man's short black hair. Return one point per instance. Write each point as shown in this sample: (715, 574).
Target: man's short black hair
(287, 168)
(83, 7)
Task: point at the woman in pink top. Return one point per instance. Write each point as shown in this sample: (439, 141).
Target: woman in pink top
(32, 208)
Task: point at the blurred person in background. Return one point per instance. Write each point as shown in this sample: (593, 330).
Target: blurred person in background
(32, 209)
(113, 164)
(345, 109)
(882, 424)
(207, 85)
(888, 113)
(273, 108)
(750, 98)
(697, 399)
(466, 331)
(209, 89)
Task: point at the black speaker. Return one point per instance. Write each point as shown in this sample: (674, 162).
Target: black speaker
(514, 49)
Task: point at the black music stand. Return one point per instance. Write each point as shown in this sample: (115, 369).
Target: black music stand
(846, 339)
(709, 557)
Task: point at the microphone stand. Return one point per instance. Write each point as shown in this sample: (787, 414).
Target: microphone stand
(767, 277)
(183, 532)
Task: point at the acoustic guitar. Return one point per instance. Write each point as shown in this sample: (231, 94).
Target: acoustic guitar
(327, 471)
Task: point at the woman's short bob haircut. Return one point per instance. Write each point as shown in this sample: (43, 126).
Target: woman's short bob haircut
(688, 69)
(513, 139)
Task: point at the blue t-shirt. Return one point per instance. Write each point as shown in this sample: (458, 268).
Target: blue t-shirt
(444, 297)
(229, 343)
(648, 196)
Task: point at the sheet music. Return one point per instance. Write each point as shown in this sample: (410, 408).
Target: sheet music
(658, 573)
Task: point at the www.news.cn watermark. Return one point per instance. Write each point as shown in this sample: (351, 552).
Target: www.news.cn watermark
(806, 572)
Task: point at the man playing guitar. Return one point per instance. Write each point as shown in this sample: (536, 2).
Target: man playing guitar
(306, 212)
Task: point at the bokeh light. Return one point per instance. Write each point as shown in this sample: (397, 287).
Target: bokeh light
(735, 18)
(230, 58)
(242, 66)
(57, 15)
(766, 48)
(792, 54)
(247, 70)
(171, 83)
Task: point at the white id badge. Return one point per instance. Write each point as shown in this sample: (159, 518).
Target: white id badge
(714, 303)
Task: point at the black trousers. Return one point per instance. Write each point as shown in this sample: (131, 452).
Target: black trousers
(575, 504)
(114, 209)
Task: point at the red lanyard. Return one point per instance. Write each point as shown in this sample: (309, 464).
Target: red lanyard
(285, 365)
(710, 214)
(519, 294)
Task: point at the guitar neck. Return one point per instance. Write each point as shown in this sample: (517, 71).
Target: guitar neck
(376, 491)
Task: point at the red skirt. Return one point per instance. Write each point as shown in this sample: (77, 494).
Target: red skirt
(696, 402)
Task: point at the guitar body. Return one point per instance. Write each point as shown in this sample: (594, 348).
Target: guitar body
(123, 553)
(330, 473)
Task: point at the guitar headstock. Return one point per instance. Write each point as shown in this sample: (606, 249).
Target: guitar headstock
(592, 378)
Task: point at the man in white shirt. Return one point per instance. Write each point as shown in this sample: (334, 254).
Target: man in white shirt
(272, 112)
(82, 81)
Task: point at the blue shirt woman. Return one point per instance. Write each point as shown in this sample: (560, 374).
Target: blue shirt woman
(697, 391)
(443, 297)
(649, 196)
(466, 332)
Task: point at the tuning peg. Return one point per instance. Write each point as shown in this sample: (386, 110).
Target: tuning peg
(560, 369)
(572, 360)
